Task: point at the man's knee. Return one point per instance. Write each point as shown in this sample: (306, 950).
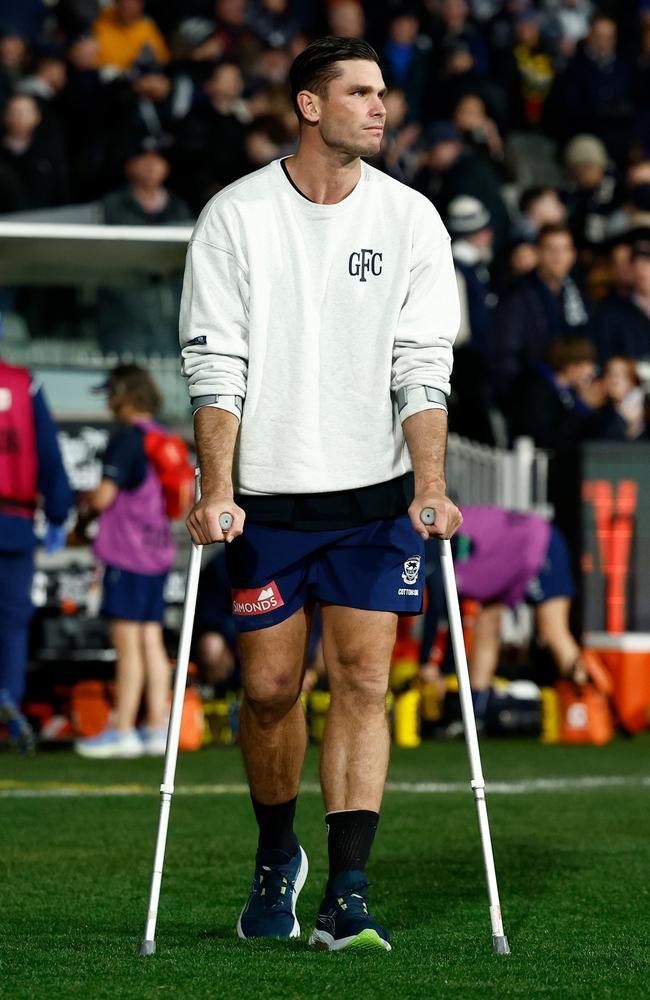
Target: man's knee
(271, 695)
(361, 678)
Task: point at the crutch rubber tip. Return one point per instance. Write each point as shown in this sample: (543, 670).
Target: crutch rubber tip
(428, 515)
(225, 521)
(500, 944)
(148, 948)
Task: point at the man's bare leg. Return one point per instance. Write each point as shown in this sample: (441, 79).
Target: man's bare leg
(552, 619)
(486, 643)
(273, 732)
(357, 647)
(274, 738)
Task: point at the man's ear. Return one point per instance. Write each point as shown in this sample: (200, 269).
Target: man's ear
(309, 105)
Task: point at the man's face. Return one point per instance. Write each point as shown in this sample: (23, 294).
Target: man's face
(556, 256)
(351, 113)
(231, 12)
(129, 11)
(21, 116)
(602, 37)
(149, 169)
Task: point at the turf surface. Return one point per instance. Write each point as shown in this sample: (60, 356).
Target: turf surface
(573, 871)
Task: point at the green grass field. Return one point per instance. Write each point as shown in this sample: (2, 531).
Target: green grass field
(76, 842)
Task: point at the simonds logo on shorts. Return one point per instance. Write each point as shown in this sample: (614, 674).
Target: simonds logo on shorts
(258, 601)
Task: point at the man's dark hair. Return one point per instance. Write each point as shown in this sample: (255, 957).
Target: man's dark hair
(553, 229)
(316, 65)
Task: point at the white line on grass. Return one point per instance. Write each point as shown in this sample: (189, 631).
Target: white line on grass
(48, 790)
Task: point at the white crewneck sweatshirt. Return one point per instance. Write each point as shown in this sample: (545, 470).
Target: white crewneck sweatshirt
(317, 316)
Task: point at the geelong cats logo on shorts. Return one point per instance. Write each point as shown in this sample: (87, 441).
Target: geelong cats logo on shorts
(411, 569)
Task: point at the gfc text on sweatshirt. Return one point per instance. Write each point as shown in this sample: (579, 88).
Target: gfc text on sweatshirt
(316, 316)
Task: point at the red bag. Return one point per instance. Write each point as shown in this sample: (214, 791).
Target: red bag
(169, 455)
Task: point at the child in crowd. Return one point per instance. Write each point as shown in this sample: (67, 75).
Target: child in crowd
(134, 543)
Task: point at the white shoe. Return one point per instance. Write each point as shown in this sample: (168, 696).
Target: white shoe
(154, 741)
(110, 743)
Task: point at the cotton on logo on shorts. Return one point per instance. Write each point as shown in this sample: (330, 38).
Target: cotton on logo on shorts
(257, 601)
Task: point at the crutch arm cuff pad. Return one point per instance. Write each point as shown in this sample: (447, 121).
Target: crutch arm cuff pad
(415, 398)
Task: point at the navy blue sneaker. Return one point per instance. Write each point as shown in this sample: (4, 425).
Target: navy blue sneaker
(344, 921)
(270, 909)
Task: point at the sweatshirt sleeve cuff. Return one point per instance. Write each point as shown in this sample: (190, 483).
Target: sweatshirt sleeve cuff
(415, 398)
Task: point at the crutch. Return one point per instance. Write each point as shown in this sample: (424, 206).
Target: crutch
(148, 943)
(500, 944)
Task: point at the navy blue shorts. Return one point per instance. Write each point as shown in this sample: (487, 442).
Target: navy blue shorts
(274, 571)
(133, 597)
(554, 578)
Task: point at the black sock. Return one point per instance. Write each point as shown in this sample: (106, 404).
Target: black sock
(276, 826)
(349, 839)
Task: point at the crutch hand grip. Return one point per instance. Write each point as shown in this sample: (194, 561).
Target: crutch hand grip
(225, 521)
(428, 516)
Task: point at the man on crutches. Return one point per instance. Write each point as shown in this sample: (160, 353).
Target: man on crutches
(318, 315)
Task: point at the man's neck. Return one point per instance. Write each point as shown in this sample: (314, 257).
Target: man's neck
(322, 175)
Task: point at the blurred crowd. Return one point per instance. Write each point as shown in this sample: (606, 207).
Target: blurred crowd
(526, 123)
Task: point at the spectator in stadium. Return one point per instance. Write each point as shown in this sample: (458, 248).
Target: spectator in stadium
(522, 259)
(150, 108)
(14, 54)
(47, 81)
(229, 36)
(407, 56)
(126, 35)
(32, 155)
(142, 319)
(479, 131)
(346, 19)
(510, 557)
(273, 22)
(595, 193)
(32, 476)
(451, 24)
(399, 154)
(622, 416)
(622, 323)
(449, 169)
(209, 151)
(539, 206)
(135, 546)
(526, 71)
(594, 93)
(539, 307)
(552, 403)
(468, 223)
(88, 114)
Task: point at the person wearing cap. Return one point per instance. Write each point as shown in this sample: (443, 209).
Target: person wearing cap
(135, 546)
(32, 477)
(468, 224)
(622, 322)
(595, 195)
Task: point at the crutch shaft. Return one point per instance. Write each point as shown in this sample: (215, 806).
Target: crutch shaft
(499, 941)
(148, 944)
